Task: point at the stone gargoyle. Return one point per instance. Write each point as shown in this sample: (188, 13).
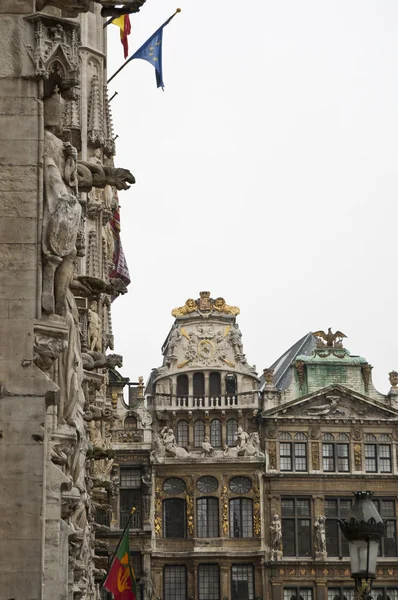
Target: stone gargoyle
(91, 175)
(99, 360)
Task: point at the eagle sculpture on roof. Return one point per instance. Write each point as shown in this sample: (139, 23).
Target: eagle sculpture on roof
(332, 340)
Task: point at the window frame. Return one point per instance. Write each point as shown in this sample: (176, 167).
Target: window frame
(377, 458)
(296, 517)
(216, 434)
(216, 568)
(252, 592)
(198, 444)
(232, 433)
(342, 590)
(294, 456)
(135, 494)
(335, 519)
(336, 456)
(172, 594)
(182, 442)
(297, 591)
(242, 502)
(208, 511)
(168, 502)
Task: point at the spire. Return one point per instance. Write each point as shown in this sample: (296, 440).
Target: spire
(95, 129)
(109, 145)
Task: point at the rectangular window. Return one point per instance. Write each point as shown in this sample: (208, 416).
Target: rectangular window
(296, 526)
(209, 582)
(300, 457)
(335, 509)
(242, 582)
(387, 510)
(335, 457)
(174, 582)
(241, 517)
(390, 593)
(338, 593)
(207, 517)
(378, 458)
(294, 593)
(130, 496)
(285, 449)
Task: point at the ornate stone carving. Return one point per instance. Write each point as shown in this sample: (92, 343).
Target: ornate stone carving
(366, 371)
(207, 448)
(272, 455)
(205, 304)
(320, 538)
(147, 586)
(314, 432)
(93, 175)
(190, 509)
(146, 481)
(256, 509)
(165, 445)
(268, 375)
(322, 410)
(300, 368)
(276, 538)
(393, 377)
(329, 339)
(95, 128)
(272, 431)
(356, 433)
(49, 342)
(99, 360)
(315, 456)
(358, 457)
(125, 436)
(224, 504)
(158, 509)
(94, 329)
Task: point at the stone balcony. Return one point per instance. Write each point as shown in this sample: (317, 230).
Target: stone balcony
(249, 400)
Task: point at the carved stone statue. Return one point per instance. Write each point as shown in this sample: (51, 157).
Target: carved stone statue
(165, 445)
(94, 329)
(325, 409)
(241, 441)
(175, 336)
(276, 538)
(235, 337)
(147, 586)
(96, 194)
(99, 360)
(320, 537)
(146, 480)
(207, 448)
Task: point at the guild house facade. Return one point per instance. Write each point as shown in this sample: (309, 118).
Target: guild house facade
(239, 480)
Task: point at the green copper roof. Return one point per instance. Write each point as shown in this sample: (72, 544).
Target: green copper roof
(332, 355)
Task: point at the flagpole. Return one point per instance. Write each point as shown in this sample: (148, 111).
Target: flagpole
(131, 57)
(120, 541)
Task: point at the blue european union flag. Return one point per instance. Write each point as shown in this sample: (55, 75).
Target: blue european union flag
(152, 51)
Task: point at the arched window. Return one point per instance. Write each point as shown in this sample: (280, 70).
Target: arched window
(343, 437)
(214, 385)
(285, 436)
(130, 423)
(198, 385)
(384, 438)
(369, 437)
(182, 386)
(174, 518)
(207, 517)
(300, 436)
(215, 433)
(328, 437)
(232, 428)
(241, 517)
(182, 433)
(199, 434)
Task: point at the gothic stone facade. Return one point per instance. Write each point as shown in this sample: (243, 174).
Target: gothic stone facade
(248, 476)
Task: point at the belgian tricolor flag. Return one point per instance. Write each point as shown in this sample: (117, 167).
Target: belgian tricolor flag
(121, 580)
(125, 28)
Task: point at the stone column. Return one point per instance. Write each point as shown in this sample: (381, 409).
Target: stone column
(225, 579)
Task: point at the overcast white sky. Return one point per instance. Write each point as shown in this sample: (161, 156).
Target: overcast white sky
(266, 173)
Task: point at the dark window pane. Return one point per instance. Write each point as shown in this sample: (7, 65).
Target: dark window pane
(285, 453)
(215, 385)
(199, 434)
(332, 537)
(288, 537)
(198, 385)
(241, 517)
(303, 507)
(174, 518)
(128, 500)
(287, 507)
(300, 454)
(182, 386)
(331, 508)
(209, 582)
(389, 541)
(242, 582)
(130, 478)
(175, 584)
(304, 537)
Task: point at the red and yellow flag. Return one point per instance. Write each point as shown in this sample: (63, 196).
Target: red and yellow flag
(121, 580)
(125, 28)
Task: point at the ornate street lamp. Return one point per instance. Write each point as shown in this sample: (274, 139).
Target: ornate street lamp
(363, 529)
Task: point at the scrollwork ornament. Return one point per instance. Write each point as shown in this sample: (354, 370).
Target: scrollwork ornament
(315, 456)
(256, 509)
(272, 455)
(190, 509)
(158, 509)
(224, 503)
(358, 457)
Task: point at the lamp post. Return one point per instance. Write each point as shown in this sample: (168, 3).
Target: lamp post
(363, 529)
